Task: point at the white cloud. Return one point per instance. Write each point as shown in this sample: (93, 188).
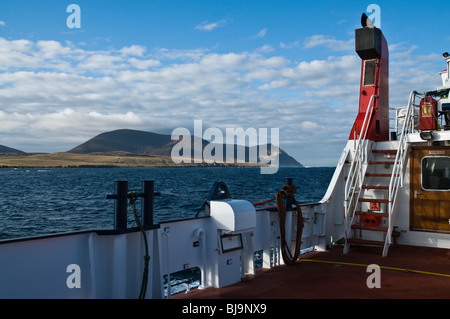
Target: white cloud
(266, 48)
(2, 23)
(133, 50)
(54, 125)
(103, 63)
(262, 33)
(209, 26)
(177, 54)
(143, 64)
(290, 45)
(51, 49)
(329, 42)
(308, 126)
(57, 96)
(224, 61)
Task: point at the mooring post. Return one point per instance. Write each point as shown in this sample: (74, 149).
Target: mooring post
(288, 218)
(120, 206)
(148, 192)
(289, 181)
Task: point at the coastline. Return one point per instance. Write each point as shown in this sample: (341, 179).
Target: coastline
(100, 160)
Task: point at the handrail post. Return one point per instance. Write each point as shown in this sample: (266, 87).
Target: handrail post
(356, 165)
(148, 190)
(356, 171)
(289, 181)
(399, 166)
(120, 205)
(121, 202)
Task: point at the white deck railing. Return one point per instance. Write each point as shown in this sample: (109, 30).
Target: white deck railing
(398, 170)
(358, 168)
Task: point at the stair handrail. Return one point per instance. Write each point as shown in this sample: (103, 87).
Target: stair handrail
(356, 174)
(398, 170)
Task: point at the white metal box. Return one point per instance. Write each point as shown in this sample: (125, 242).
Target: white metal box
(233, 215)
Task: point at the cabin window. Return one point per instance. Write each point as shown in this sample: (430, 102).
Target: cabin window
(436, 173)
(369, 72)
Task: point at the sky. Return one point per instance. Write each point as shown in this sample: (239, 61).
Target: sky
(67, 75)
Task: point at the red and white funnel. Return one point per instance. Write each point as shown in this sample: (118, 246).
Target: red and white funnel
(372, 48)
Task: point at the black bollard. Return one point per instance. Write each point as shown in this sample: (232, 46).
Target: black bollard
(120, 207)
(289, 181)
(148, 188)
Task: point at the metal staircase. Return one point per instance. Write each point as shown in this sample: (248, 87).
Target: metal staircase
(371, 189)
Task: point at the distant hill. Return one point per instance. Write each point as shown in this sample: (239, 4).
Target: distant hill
(147, 143)
(5, 149)
(125, 140)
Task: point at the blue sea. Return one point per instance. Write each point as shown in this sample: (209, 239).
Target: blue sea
(37, 202)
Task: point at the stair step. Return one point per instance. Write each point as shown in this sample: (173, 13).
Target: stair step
(385, 151)
(374, 200)
(375, 187)
(360, 213)
(359, 241)
(379, 175)
(381, 162)
(373, 228)
(390, 154)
